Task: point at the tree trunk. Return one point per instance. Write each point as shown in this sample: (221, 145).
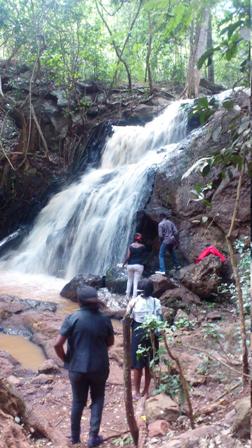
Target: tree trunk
(119, 52)
(233, 259)
(198, 42)
(127, 381)
(149, 48)
(210, 68)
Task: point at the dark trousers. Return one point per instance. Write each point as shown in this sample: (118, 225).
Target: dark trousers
(81, 383)
(162, 251)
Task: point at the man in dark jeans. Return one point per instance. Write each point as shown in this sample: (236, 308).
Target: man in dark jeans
(168, 236)
(89, 334)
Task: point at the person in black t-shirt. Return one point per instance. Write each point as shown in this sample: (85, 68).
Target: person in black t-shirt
(135, 260)
(88, 334)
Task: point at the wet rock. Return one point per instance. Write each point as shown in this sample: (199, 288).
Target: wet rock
(48, 367)
(114, 302)
(69, 290)
(116, 280)
(158, 428)
(13, 240)
(241, 425)
(161, 407)
(14, 305)
(203, 278)
(161, 284)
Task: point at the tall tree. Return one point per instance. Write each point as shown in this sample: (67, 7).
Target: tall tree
(198, 42)
(210, 63)
(119, 51)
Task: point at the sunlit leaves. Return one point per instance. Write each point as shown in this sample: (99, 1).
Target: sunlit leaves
(233, 31)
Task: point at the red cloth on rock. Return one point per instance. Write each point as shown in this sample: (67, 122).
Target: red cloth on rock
(210, 250)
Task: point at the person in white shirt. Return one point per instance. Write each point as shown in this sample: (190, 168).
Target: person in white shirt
(140, 308)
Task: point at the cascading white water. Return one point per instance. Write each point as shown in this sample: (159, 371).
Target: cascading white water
(86, 227)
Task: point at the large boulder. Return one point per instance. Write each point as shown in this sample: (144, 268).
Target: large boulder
(161, 407)
(69, 290)
(178, 298)
(162, 283)
(203, 278)
(241, 424)
(116, 280)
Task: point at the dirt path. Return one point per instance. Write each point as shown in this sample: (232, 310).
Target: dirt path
(48, 394)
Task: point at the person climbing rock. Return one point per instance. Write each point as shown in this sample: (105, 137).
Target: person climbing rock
(89, 334)
(135, 264)
(140, 308)
(168, 236)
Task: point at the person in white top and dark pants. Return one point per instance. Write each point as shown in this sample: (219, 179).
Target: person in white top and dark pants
(140, 308)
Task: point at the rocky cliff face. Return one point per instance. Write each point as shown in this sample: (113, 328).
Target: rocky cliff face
(198, 223)
(48, 139)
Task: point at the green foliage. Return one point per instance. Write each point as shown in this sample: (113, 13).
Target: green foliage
(167, 382)
(234, 38)
(212, 331)
(199, 191)
(123, 441)
(183, 322)
(242, 248)
(70, 41)
(170, 384)
(204, 107)
(204, 366)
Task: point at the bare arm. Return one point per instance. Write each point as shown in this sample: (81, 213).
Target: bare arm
(59, 347)
(127, 257)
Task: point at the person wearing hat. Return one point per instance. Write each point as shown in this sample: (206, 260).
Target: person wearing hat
(135, 264)
(88, 333)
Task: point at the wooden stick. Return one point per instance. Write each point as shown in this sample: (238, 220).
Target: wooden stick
(127, 380)
(141, 422)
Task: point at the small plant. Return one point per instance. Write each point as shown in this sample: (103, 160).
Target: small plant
(183, 322)
(170, 384)
(203, 108)
(211, 305)
(242, 248)
(203, 366)
(212, 331)
(123, 440)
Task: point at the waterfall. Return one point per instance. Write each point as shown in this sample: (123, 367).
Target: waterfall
(86, 227)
